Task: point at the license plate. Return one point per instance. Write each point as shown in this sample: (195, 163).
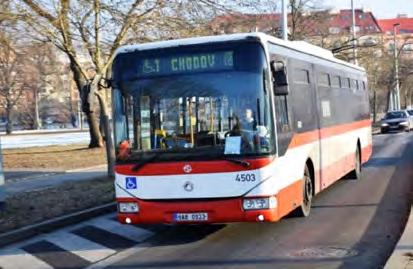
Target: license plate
(190, 216)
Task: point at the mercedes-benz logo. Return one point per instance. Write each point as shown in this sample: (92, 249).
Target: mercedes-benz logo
(187, 168)
(189, 186)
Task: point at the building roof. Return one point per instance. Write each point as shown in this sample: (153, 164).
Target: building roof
(365, 21)
(406, 25)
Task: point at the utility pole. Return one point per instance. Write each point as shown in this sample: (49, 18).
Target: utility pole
(354, 33)
(284, 20)
(37, 121)
(396, 69)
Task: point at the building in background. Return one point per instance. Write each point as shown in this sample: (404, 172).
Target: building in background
(404, 34)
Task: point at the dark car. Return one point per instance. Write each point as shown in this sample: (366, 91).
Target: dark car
(396, 121)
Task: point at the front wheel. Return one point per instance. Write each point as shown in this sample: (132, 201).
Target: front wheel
(304, 209)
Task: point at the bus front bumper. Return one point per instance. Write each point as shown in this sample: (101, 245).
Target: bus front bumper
(217, 211)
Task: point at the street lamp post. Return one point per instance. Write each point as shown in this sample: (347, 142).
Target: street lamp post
(284, 20)
(396, 69)
(353, 15)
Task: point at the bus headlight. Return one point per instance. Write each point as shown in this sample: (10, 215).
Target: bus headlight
(128, 207)
(259, 203)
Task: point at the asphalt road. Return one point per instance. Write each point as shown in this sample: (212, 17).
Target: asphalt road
(353, 224)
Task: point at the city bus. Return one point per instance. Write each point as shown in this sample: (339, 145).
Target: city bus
(233, 128)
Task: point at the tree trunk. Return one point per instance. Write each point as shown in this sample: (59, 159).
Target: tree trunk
(9, 125)
(95, 136)
(110, 151)
(96, 140)
(374, 105)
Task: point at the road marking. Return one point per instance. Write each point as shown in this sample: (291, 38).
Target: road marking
(103, 237)
(128, 231)
(86, 249)
(99, 241)
(19, 259)
(55, 256)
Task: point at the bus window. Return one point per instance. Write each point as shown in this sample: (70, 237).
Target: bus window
(335, 82)
(301, 76)
(324, 79)
(345, 83)
(354, 85)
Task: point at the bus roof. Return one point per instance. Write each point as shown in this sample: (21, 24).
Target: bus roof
(300, 46)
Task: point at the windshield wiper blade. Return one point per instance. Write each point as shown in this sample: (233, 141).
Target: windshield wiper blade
(141, 164)
(237, 161)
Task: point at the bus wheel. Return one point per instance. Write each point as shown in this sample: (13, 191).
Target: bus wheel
(304, 209)
(356, 173)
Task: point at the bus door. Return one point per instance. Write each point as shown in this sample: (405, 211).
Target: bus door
(304, 107)
(326, 98)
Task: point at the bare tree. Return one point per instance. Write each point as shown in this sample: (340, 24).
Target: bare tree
(14, 79)
(90, 31)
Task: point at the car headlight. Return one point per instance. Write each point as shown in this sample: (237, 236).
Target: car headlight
(128, 207)
(384, 124)
(404, 123)
(259, 203)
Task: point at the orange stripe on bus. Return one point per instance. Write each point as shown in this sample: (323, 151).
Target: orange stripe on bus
(311, 136)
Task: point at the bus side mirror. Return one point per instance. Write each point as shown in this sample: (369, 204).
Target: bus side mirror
(280, 81)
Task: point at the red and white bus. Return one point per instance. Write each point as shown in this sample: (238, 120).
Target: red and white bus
(233, 128)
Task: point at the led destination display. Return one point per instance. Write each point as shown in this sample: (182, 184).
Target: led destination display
(188, 63)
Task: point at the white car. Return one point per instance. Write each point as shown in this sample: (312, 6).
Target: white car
(396, 121)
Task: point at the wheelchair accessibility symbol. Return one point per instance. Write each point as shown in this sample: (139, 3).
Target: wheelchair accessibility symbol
(131, 183)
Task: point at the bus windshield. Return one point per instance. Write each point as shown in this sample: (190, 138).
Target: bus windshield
(195, 104)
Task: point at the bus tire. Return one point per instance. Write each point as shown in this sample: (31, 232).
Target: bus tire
(304, 209)
(356, 173)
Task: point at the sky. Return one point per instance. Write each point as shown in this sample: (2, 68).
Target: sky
(382, 9)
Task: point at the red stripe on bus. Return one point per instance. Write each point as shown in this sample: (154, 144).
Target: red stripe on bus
(197, 167)
(311, 136)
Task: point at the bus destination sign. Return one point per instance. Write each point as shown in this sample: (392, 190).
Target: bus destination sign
(188, 63)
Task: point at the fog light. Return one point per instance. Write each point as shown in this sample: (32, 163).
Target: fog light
(128, 220)
(259, 203)
(128, 207)
(260, 217)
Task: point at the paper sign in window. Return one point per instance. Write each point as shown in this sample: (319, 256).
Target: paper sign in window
(232, 145)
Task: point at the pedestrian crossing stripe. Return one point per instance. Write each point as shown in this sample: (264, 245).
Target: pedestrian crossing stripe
(75, 247)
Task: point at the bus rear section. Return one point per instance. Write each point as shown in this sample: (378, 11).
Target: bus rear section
(201, 136)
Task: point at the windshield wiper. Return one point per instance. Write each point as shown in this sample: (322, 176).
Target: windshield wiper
(237, 161)
(141, 164)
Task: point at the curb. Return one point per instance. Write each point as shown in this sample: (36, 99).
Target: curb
(55, 223)
(402, 256)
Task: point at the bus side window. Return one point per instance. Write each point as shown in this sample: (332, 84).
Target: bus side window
(335, 82)
(301, 76)
(281, 109)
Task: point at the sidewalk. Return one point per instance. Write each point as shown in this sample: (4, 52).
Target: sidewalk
(402, 257)
(46, 131)
(49, 179)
